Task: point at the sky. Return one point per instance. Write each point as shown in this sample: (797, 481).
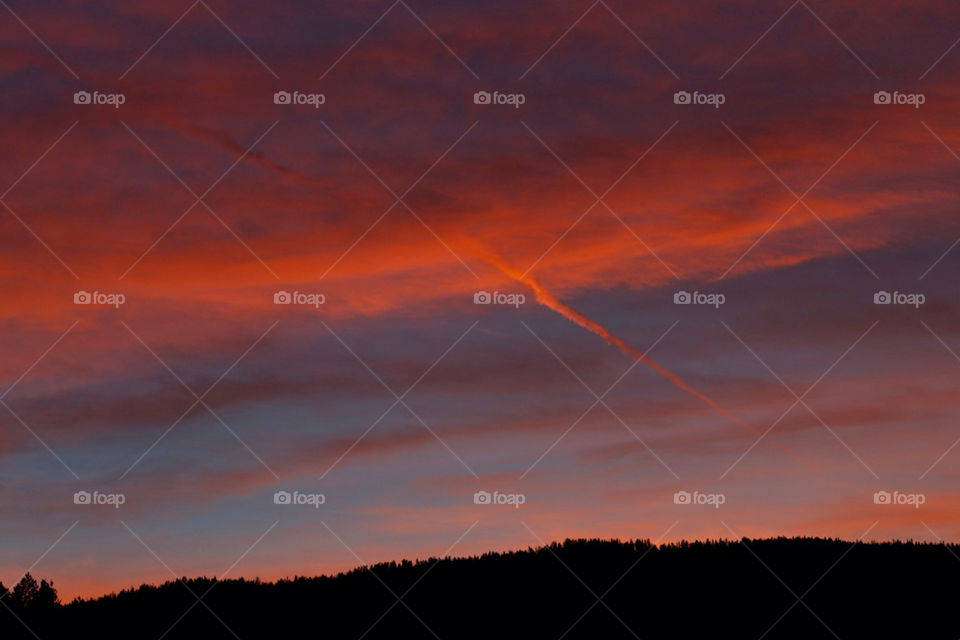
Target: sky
(485, 219)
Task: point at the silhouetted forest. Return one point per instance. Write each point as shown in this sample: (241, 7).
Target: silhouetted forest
(714, 589)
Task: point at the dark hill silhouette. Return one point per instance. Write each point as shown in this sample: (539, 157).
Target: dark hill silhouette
(714, 589)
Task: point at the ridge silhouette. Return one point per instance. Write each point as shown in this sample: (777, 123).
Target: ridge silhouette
(715, 588)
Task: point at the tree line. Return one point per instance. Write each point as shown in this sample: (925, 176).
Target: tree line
(749, 588)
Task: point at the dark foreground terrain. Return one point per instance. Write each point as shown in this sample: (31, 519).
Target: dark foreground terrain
(772, 588)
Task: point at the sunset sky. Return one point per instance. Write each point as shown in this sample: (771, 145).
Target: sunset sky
(399, 198)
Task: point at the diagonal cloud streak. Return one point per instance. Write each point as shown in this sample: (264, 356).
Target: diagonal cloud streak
(548, 300)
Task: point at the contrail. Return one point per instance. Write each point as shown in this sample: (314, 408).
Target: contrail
(548, 300)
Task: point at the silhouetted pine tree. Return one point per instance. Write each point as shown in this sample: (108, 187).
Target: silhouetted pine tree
(24, 592)
(46, 598)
